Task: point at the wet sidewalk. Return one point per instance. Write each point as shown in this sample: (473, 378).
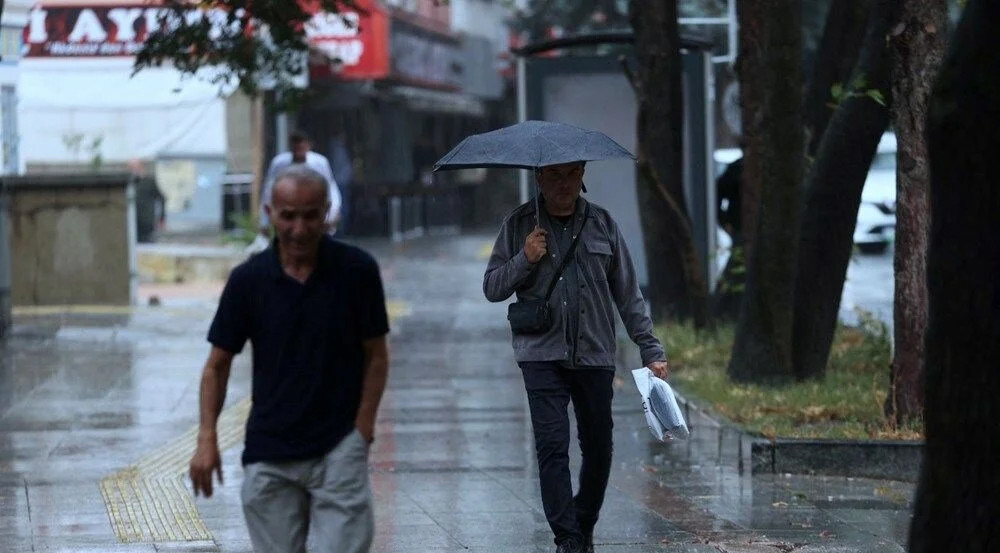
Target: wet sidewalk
(98, 409)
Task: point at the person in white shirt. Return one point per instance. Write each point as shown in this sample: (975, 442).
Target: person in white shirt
(300, 153)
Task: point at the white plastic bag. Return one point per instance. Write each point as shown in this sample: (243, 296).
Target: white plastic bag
(259, 244)
(663, 415)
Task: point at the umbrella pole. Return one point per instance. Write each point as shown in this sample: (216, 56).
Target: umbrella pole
(538, 210)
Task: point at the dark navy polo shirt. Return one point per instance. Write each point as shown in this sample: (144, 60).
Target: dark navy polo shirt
(308, 359)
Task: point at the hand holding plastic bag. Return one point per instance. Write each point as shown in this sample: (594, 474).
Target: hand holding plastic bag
(663, 414)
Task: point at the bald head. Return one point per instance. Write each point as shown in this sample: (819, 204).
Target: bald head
(300, 176)
(297, 209)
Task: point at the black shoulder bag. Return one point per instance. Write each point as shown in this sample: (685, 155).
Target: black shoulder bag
(534, 316)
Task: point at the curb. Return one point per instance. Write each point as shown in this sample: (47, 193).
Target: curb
(181, 263)
(755, 454)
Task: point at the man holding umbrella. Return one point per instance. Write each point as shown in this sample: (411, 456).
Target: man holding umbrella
(568, 254)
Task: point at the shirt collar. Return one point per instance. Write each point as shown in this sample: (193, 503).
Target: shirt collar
(578, 209)
(324, 264)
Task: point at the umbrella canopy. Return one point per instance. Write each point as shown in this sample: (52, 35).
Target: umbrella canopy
(531, 144)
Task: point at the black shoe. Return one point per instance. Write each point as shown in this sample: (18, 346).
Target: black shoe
(588, 543)
(569, 546)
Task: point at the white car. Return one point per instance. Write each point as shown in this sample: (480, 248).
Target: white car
(876, 224)
(875, 228)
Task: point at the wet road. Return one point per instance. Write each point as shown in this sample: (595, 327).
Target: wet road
(98, 409)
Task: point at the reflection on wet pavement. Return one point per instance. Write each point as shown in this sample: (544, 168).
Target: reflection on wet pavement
(97, 411)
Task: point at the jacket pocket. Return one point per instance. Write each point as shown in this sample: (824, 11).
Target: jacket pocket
(598, 259)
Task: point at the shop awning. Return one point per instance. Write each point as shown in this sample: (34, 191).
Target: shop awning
(423, 99)
(72, 110)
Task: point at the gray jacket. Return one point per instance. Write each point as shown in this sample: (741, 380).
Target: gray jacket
(607, 283)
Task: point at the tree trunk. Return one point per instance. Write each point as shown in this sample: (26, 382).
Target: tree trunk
(958, 499)
(762, 349)
(843, 30)
(843, 34)
(663, 216)
(833, 194)
(750, 66)
(917, 47)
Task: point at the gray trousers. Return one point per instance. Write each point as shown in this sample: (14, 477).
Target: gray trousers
(330, 493)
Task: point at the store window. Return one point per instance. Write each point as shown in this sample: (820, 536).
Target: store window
(8, 129)
(10, 43)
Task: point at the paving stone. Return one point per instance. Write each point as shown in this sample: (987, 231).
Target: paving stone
(86, 397)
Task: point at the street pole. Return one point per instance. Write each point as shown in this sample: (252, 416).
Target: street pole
(522, 115)
(257, 148)
(5, 314)
(281, 132)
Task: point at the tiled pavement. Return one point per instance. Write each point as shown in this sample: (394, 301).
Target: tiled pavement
(97, 408)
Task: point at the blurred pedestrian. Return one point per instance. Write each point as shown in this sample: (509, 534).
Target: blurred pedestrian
(150, 205)
(343, 171)
(314, 311)
(300, 152)
(727, 297)
(573, 360)
(729, 203)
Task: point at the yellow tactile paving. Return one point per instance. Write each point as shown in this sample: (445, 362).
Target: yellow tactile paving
(149, 502)
(485, 251)
(397, 309)
(28, 310)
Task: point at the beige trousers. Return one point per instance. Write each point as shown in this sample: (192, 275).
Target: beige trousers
(330, 494)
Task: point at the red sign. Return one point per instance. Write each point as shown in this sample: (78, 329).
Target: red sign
(72, 31)
(351, 44)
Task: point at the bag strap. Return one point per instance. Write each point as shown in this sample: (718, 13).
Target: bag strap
(568, 256)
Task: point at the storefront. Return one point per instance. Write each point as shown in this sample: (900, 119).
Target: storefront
(389, 113)
(82, 109)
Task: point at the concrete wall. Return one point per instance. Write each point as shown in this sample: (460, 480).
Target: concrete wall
(72, 239)
(239, 133)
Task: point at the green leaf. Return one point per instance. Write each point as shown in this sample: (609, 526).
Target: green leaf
(837, 91)
(876, 95)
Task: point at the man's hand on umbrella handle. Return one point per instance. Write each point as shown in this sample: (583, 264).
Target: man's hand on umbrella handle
(661, 369)
(535, 246)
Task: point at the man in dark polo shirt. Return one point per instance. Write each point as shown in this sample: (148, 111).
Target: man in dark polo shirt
(314, 311)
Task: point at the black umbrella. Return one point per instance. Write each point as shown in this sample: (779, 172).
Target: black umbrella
(531, 144)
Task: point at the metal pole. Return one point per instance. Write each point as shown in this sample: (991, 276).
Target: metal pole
(522, 115)
(711, 199)
(538, 207)
(5, 310)
(733, 37)
(281, 132)
(257, 148)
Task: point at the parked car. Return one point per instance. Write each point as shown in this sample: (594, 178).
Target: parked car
(876, 224)
(875, 227)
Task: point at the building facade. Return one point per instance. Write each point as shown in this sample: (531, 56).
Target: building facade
(417, 77)
(15, 18)
(81, 108)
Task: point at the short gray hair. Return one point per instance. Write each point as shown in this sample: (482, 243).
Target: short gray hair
(301, 173)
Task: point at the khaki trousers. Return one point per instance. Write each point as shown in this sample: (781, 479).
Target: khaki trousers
(282, 500)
